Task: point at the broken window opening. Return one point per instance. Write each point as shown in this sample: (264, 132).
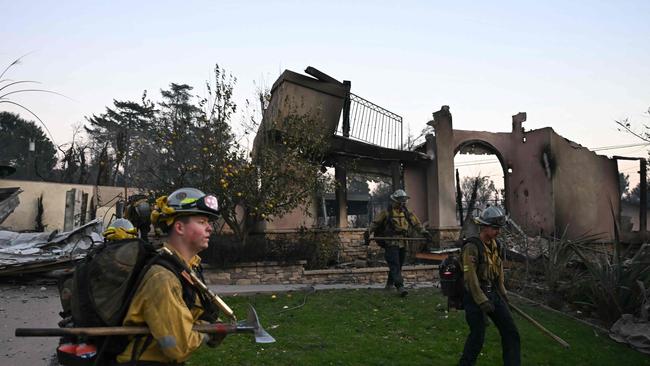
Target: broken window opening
(366, 196)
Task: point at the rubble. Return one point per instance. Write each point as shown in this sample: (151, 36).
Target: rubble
(22, 253)
(632, 331)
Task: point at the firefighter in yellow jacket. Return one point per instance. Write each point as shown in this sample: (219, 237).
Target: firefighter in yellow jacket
(161, 300)
(397, 222)
(485, 293)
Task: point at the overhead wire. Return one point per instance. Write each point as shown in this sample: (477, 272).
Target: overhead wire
(602, 148)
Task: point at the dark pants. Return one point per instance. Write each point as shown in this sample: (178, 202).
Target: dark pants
(395, 258)
(148, 363)
(502, 318)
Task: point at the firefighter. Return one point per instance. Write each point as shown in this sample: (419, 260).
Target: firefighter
(485, 293)
(138, 211)
(161, 301)
(396, 221)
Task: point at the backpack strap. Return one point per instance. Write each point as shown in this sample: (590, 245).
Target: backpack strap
(137, 351)
(479, 246)
(389, 218)
(188, 292)
(407, 216)
(211, 310)
(390, 226)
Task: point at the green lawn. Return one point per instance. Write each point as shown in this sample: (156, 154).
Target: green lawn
(372, 327)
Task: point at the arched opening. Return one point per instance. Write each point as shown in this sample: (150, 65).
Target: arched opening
(479, 166)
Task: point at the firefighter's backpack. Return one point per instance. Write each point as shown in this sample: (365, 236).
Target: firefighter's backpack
(451, 273)
(99, 294)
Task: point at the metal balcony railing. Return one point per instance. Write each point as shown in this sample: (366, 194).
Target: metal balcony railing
(365, 121)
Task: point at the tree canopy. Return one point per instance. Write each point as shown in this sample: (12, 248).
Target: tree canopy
(486, 190)
(16, 135)
(185, 140)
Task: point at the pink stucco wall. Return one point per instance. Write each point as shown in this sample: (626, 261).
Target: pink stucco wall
(415, 186)
(528, 190)
(585, 190)
(294, 219)
(555, 184)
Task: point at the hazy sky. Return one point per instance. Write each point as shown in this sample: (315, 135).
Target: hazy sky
(574, 66)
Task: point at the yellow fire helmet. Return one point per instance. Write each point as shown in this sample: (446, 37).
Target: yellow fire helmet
(182, 202)
(120, 229)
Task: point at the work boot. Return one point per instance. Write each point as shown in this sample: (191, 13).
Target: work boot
(402, 292)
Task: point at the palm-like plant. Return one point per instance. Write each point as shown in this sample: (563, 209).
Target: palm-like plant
(616, 283)
(558, 254)
(9, 87)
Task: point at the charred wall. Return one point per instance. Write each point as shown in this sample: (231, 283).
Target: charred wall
(585, 187)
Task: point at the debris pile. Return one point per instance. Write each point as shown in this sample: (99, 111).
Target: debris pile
(634, 332)
(22, 253)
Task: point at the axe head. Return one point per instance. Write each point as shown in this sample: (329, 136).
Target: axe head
(261, 336)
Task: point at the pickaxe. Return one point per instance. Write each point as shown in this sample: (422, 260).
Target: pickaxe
(250, 325)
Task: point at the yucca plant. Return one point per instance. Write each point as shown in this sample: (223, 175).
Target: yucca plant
(558, 254)
(615, 283)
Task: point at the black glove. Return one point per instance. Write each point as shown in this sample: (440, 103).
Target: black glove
(505, 298)
(487, 307)
(366, 238)
(214, 339)
(428, 236)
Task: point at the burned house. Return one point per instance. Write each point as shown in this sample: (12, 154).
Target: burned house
(552, 185)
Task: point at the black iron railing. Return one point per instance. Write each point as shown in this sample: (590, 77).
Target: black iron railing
(365, 121)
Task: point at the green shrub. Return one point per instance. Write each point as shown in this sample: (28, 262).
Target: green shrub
(322, 248)
(319, 248)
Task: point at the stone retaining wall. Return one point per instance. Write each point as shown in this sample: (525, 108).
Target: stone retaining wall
(352, 250)
(352, 246)
(371, 275)
(284, 273)
(256, 273)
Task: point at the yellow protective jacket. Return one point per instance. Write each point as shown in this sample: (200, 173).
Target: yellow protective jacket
(478, 271)
(400, 225)
(158, 303)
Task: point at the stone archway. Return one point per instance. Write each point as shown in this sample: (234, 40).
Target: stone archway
(529, 191)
